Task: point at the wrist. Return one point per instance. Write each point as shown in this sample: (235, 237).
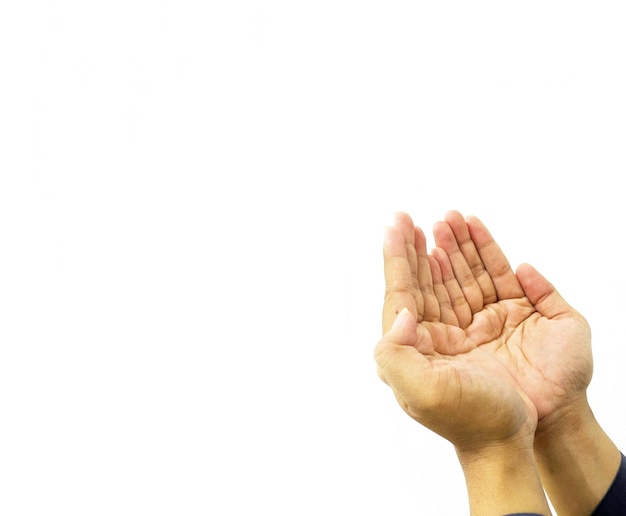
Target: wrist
(571, 419)
(577, 460)
(573, 430)
(502, 478)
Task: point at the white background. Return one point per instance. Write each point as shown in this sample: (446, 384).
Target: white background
(192, 199)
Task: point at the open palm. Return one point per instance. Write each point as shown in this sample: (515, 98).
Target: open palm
(544, 342)
(445, 375)
(483, 354)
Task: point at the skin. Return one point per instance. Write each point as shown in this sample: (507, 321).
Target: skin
(445, 376)
(492, 341)
(547, 348)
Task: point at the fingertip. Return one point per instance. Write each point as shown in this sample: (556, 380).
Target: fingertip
(439, 254)
(440, 229)
(402, 318)
(402, 217)
(525, 269)
(527, 273)
(475, 226)
(393, 243)
(472, 219)
(452, 214)
(402, 331)
(536, 287)
(420, 240)
(439, 224)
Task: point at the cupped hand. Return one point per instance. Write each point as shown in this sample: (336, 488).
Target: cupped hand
(445, 374)
(544, 343)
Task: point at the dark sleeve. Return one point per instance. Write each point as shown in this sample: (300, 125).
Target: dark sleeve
(614, 502)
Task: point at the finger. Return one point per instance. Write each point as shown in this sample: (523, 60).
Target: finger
(400, 288)
(542, 294)
(446, 313)
(496, 264)
(458, 301)
(445, 239)
(425, 279)
(404, 224)
(472, 257)
(396, 353)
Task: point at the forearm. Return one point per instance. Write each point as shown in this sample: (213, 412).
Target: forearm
(577, 460)
(503, 480)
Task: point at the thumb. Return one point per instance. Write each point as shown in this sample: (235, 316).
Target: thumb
(401, 336)
(541, 293)
(403, 329)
